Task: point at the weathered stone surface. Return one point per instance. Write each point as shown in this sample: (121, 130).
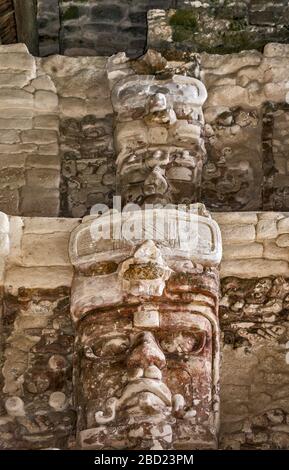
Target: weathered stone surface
(40, 334)
(266, 229)
(46, 100)
(283, 225)
(37, 278)
(42, 225)
(283, 240)
(50, 121)
(17, 61)
(254, 268)
(17, 123)
(11, 98)
(45, 250)
(252, 250)
(39, 136)
(238, 233)
(35, 203)
(235, 218)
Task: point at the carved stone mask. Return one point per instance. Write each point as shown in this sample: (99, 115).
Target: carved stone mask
(146, 353)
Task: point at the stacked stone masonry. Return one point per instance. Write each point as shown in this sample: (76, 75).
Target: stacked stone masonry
(219, 27)
(103, 27)
(56, 130)
(29, 135)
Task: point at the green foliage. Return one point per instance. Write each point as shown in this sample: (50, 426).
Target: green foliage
(184, 24)
(71, 13)
(185, 18)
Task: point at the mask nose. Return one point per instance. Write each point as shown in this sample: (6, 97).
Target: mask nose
(146, 353)
(155, 182)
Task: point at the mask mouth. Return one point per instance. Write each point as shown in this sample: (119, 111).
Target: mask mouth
(145, 386)
(140, 394)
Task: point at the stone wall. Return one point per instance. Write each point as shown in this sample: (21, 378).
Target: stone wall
(246, 115)
(94, 27)
(86, 132)
(48, 23)
(255, 329)
(103, 27)
(56, 131)
(29, 150)
(37, 335)
(218, 27)
(46, 134)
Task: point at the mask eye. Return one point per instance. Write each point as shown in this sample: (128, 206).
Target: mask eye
(107, 347)
(184, 343)
(99, 269)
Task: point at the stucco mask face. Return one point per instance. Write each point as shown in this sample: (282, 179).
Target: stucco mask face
(161, 175)
(146, 352)
(144, 379)
(159, 139)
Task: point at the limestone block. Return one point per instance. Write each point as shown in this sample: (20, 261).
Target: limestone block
(9, 136)
(43, 161)
(45, 249)
(254, 268)
(276, 50)
(283, 226)
(46, 100)
(272, 251)
(49, 121)
(275, 92)
(17, 123)
(247, 251)
(14, 48)
(42, 225)
(266, 229)
(238, 218)
(237, 233)
(12, 113)
(43, 178)
(228, 96)
(16, 80)
(270, 215)
(17, 148)
(16, 233)
(230, 63)
(49, 149)
(283, 240)
(37, 278)
(13, 98)
(39, 136)
(44, 83)
(36, 203)
(73, 107)
(17, 61)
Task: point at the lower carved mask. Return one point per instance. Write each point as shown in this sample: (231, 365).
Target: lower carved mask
(147, 350)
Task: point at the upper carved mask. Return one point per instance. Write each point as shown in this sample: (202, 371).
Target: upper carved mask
(159, 138)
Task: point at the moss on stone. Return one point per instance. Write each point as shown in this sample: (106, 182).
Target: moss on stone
(185, 18)
(184, 24)
(238, 25)
(71, 13)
